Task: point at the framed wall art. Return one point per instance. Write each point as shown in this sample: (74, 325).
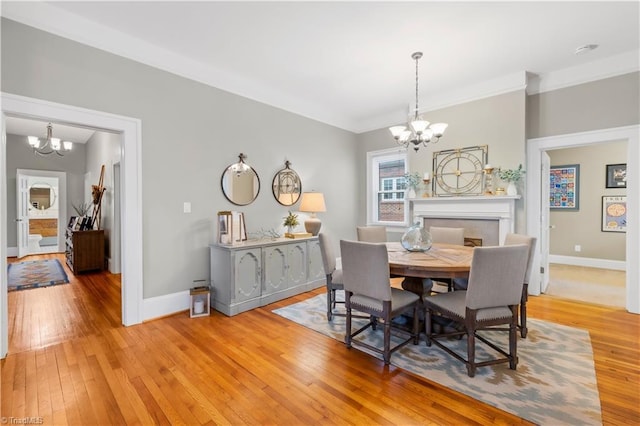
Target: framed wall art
(616, 176)
(614, 213)
(564, 187)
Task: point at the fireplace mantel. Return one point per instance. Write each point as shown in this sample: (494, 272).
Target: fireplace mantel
(500, 208)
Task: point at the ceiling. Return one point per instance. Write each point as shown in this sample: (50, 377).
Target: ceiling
(349, 64)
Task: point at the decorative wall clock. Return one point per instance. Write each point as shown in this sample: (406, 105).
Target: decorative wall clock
(459, 171)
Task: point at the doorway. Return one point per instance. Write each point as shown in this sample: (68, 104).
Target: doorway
(536, 149)
(131, 195)
(45, 207)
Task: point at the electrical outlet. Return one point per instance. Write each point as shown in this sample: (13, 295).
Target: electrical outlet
(577, 248)
(186, 207)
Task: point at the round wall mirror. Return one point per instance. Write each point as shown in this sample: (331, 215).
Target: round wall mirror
(41, 196)
(240, 183)
(287, 186)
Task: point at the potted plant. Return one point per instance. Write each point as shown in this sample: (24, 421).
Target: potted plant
(413, 181)
(291, 221)
(512, 177)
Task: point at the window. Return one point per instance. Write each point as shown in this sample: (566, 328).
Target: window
(386, 187)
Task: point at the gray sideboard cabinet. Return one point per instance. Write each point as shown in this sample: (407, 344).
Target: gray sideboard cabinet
(255, 273)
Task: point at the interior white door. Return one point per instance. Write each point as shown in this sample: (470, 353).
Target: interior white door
(544, 220)
(22, 214)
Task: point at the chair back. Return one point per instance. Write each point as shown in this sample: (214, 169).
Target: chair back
(444, 235)
(365, 269)
(511, 239)
(372, 234)
(328, 255)
(496, 276)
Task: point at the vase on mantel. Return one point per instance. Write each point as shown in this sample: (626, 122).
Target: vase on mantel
(512, 189)
(411, 193)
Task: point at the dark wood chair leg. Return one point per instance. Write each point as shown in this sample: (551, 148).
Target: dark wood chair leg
(470, 320)
(347, 337)
(523, 311)
(513, 338)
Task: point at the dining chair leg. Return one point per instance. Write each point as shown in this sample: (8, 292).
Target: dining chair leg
(523, 311)
(416, 323)
(347, 337)
(470, 320)
(330, 296)
(427, 326)
(513, 339)
(387, 341)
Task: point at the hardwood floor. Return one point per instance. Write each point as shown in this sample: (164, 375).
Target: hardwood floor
(71, 362)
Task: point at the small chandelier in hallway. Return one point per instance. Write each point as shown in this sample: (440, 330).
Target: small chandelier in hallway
(51, 145)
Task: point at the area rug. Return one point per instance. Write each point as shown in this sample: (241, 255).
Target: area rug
(555, 382)
(35, 273)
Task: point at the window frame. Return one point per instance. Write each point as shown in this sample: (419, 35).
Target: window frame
(374, 158)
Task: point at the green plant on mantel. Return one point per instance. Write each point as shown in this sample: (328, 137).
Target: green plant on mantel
(413, 180)
(511, 175)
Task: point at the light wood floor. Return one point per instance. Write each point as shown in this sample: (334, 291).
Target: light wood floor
(71, 362)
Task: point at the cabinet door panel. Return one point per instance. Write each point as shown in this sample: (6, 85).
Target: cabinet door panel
(316, 267)
(247, 274)
(297, 261)
(275, 269)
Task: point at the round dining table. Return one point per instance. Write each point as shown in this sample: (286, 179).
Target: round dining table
(440, 261)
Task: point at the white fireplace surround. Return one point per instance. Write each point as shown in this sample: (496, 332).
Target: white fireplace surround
(500, 208)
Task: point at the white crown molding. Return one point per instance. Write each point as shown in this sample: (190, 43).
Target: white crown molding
(57, 21)
(612, 66)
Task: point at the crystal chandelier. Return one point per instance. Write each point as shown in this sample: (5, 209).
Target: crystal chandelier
(421, 131)
(51, 145)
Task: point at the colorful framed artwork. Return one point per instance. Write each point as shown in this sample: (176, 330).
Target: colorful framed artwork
(614, 213)
(616, 175)
(564, 187)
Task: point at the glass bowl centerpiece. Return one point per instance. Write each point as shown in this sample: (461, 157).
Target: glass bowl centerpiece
(416, 239)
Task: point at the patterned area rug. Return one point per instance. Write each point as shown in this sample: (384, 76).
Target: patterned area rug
(554, 384)
(35, 273)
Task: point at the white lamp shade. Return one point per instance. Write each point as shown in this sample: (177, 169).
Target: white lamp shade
(34, 141)
(67, 145)
(55, 143)
(419, 126)
(312, 202)
(439, 128)
(396, 131)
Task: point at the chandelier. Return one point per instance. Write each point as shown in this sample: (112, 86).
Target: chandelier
(422, 132)
(51, 145)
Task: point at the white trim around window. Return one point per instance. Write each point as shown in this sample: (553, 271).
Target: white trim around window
(374, 158)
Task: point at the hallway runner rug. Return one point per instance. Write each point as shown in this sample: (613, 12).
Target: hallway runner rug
(555, 382)
(34, 274)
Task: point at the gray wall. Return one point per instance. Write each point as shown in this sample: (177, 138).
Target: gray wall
(104, 149)
(21, 156)
(602, 104)
(582, 227)
(190, 133)
(498, 122)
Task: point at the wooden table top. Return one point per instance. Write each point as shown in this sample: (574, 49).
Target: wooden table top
(441, 261)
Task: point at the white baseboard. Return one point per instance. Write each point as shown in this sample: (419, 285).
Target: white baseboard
(12, 251)
(161, 306)
(619, 265)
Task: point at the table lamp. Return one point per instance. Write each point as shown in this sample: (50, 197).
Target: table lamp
(312, 202)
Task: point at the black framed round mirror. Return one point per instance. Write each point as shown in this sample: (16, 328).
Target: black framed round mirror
(240, 183)
(286, 186)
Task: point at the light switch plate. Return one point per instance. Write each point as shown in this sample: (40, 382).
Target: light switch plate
(187, 207)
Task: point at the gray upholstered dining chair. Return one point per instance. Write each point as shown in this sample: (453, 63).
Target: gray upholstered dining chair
(365, 271)
(333, 275)
(491, 300)
(372, 234)
(511, 239)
